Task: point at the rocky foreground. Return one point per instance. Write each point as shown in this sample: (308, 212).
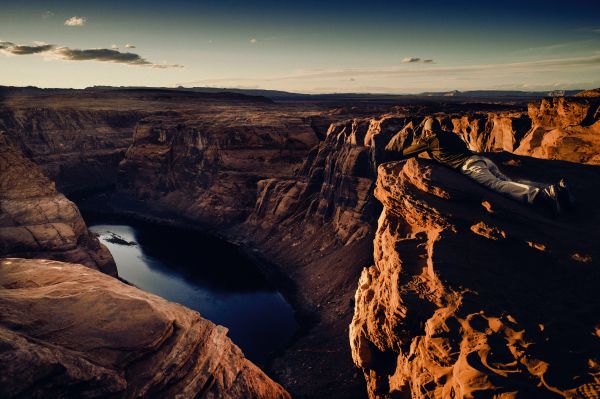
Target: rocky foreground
(474, 295)
(69, 331)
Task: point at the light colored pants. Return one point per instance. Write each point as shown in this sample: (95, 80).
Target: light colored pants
(486, 173)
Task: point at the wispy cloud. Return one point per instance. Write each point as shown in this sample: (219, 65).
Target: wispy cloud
(589, 29)
(76, 21)
(396, 79)
(70, 54)
(537, 65)
(114, 47)
(129, 45)
(47, 14)
(13, 49)
(412, 60)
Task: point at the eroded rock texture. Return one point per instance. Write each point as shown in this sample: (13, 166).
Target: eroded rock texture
(473, 295)
(564, 128)
(68, 331)
(493, 131)
(36, 221)
(79, 148)
(207, 166)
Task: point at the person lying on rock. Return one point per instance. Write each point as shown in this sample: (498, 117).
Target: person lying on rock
(449, 149)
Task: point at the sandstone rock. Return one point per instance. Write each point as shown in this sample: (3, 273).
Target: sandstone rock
(493, 131)
(475, 295)
(39, 222)
(68, 331)
(208, 168)
(79, 148)
(332, 188)
(564, 128)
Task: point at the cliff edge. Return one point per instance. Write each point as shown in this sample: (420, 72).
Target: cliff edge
(36, 221)
(474, 295)
(69, 331)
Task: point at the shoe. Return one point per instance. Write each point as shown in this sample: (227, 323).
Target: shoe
(547, 201)
(565, 197)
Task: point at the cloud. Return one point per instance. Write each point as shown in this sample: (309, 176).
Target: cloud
(129, 45)
(545, 65)
(13, 49)
(107, 55)
(70, 54)
(114, 47)
(253, 40)
(411, 60)
(47, 14)
(434, 77)
(75, 21)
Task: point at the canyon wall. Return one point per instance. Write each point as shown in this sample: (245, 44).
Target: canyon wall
(206, 168)
(314, 221)
(62, 330)
(37, 221)
(564, 128)
(68, 331)
(78, 148)
(300, 198)
(474, 295)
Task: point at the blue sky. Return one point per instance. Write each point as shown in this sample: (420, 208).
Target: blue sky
(310, 46)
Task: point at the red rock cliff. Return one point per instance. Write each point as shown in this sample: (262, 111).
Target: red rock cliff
(564, 128)
(474, 295)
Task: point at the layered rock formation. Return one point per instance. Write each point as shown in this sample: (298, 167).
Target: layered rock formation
(68, 331)
(475, 295)
(493, 131)
(78, 148)
(246, 170)
(315, 225)
(36, 221)
(206, 168)
(564, 128)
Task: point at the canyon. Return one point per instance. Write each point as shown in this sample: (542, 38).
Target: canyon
(459, 290)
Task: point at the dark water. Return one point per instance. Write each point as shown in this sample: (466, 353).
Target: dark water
(203, 273)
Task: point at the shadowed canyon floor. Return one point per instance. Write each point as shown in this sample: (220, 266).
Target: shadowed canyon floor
(469, 294)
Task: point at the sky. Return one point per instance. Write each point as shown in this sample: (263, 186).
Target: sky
(303, 46)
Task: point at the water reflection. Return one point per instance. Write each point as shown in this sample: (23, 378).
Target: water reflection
(205, 274)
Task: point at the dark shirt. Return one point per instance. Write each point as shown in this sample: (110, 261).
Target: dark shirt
(445, 147)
